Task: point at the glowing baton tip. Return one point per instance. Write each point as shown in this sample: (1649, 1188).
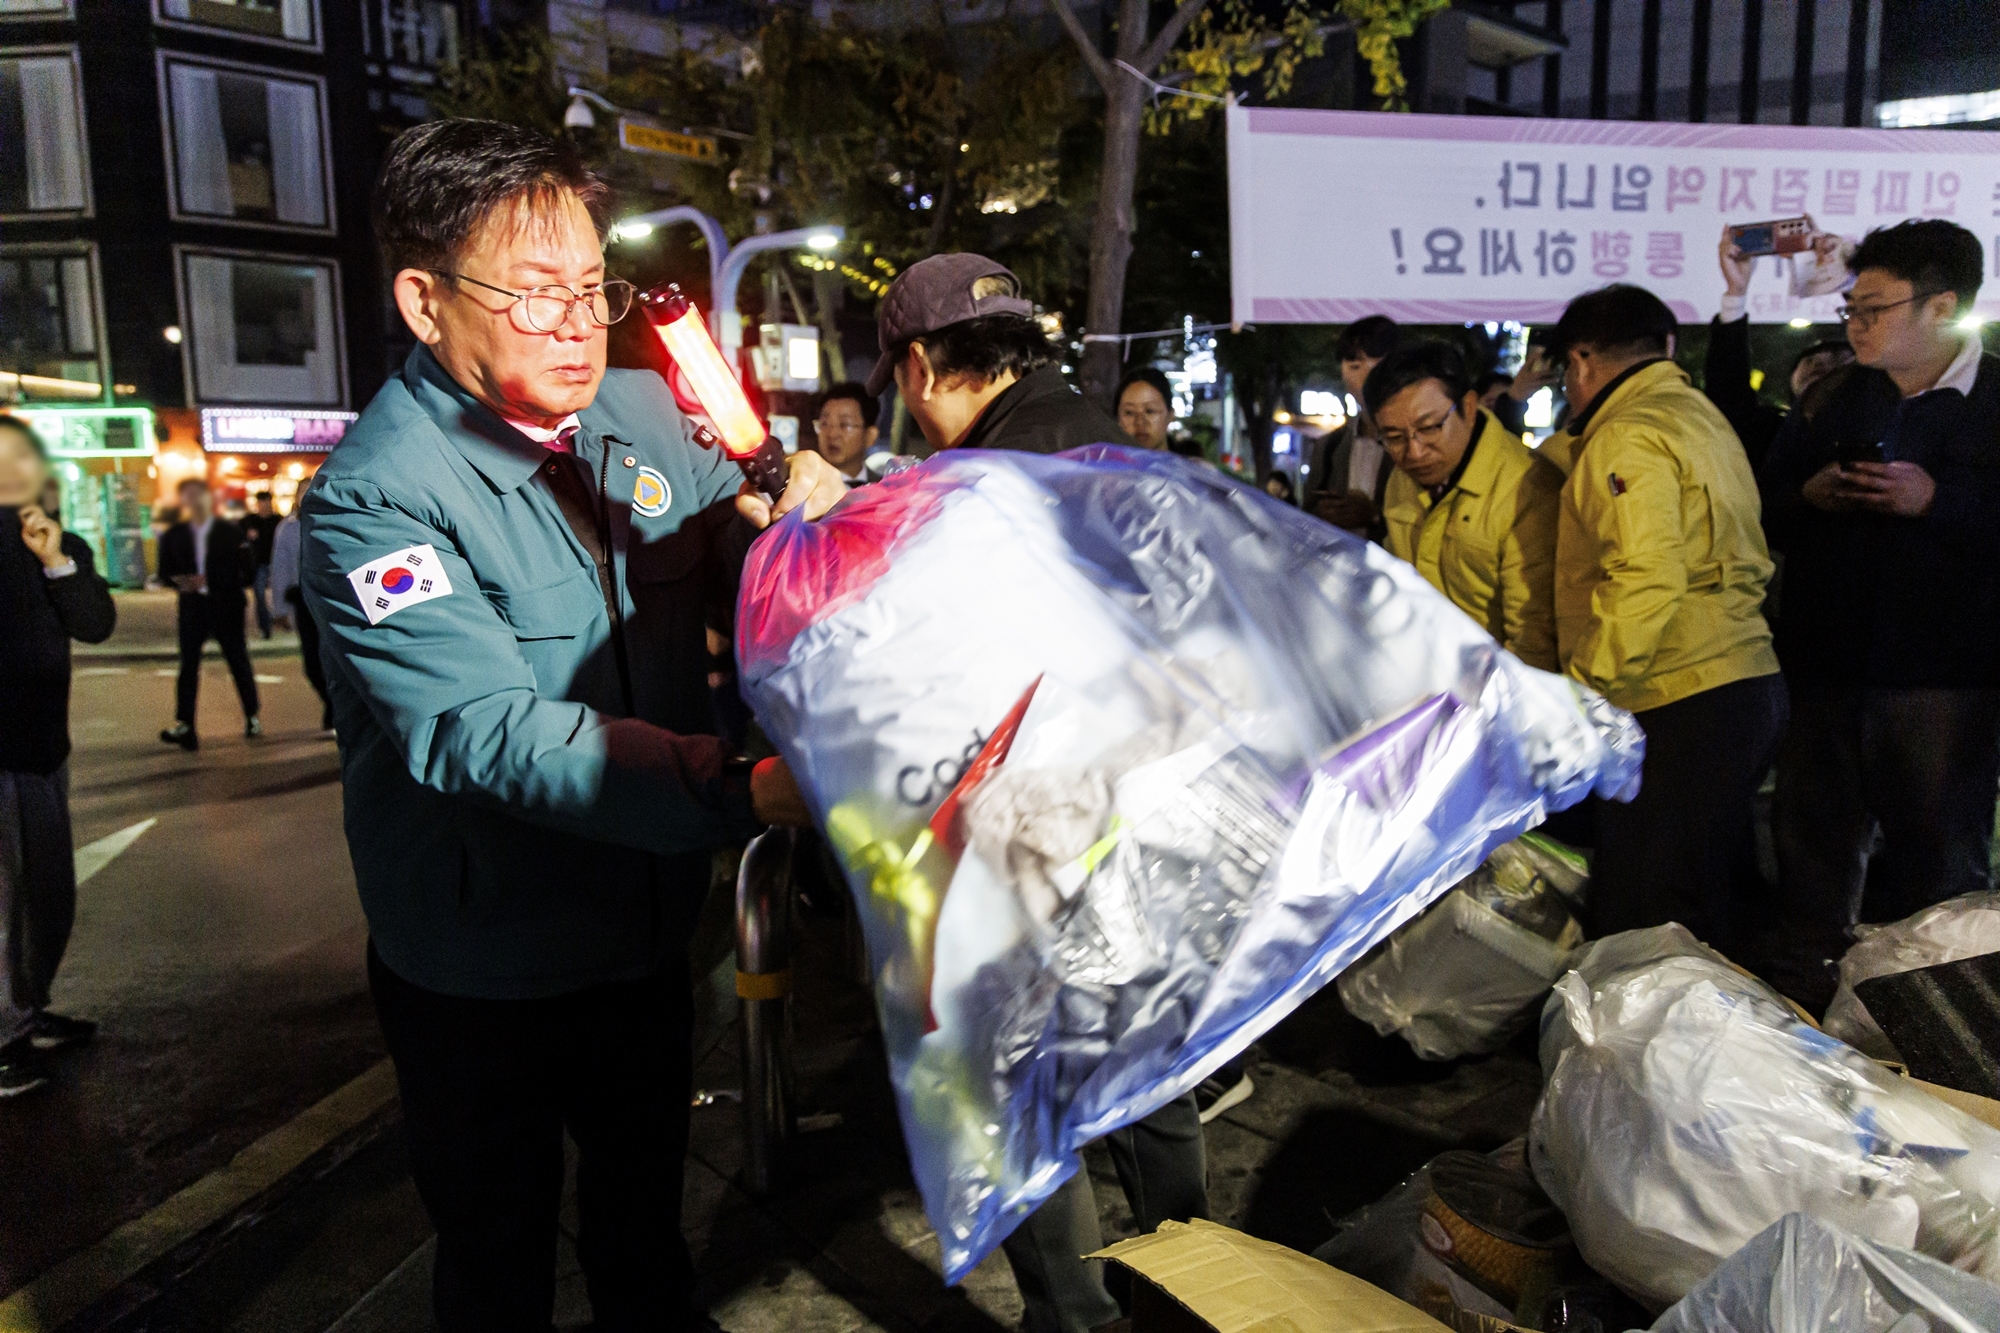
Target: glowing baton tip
(680, 327)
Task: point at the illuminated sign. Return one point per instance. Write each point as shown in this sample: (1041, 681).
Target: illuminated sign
(267, 430)
(636, 138)
(92, 432)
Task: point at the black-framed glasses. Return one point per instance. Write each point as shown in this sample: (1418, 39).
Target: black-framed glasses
(1864, 315)
(547, 308)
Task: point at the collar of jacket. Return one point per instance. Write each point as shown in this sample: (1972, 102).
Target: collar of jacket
(1632, 380)
(1477, 468)
(1037, 383)
(501, 454)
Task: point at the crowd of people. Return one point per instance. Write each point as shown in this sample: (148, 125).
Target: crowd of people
(511, 580)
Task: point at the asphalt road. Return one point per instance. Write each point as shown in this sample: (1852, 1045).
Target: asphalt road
(221, 951)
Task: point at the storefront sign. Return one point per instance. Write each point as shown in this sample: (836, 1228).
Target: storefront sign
(637, 138)
(1431, 219)
(92, 432)
(259, 430)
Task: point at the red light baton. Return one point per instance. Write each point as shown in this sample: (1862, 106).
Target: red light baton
(743, 438)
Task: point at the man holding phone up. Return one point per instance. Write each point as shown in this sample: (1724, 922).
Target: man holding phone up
(1883, 492)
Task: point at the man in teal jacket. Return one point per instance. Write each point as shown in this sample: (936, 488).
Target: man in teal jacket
(514, 556)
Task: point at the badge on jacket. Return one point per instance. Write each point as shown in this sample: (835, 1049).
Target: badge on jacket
(651, 495)
(402, 578)
(1618, 486)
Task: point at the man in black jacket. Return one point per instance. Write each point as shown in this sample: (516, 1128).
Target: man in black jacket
(1883, 491)
(977, 372)
(209, 560)
(974, 368)
(49, 594)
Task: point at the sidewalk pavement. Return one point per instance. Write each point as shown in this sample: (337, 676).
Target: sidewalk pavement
(148, 632)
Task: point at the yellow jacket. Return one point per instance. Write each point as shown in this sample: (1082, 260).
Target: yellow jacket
(1490, 543)
(1660, 558)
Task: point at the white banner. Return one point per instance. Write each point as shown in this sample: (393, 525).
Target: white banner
(1334, 215)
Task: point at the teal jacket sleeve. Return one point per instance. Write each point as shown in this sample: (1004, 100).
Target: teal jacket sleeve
(446, 681)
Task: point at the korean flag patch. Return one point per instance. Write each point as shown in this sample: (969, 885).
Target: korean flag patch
(404, 578)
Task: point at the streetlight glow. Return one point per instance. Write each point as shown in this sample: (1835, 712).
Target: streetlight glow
(823, 240)
(633, 230)
(1801, 323)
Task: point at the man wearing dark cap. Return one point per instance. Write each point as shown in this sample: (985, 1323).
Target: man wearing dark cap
(976, 371)
(973, 365)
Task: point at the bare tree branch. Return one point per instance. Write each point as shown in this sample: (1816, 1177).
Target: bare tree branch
(1163, 41)
(1099, 67)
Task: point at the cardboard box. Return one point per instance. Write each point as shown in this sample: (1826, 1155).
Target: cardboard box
(1201, 1276)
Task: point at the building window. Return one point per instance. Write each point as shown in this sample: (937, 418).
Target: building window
(34, 8)
(42, 164)
(262, 329)
(49, 342)
(293, 22)
(246, 145)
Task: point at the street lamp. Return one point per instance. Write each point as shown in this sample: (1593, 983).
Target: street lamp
(726, 263)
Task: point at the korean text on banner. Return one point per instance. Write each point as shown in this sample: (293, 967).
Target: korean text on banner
(1338, 214)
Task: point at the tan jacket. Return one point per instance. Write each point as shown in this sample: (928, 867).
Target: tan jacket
(1660, 558)
(1490, 543)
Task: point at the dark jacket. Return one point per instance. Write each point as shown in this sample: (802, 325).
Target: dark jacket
(1875, 600)
(38, 617)
(1041, 414)
(527, 808)
(1725, 377)
(229, 567)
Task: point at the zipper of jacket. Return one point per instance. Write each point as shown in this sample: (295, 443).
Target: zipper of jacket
(608, 581)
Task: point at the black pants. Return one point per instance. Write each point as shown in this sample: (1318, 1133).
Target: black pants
(201, 620)
(1921, 766)
(488, 1088)
(302, 619)
(1679, 851)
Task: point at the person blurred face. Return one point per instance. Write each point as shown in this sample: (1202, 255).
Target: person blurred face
(263, 502)
(1425, 432)
(1891, 325)
(23, 474)
(1144, 415)
(843, 440)
(483, 339)
(197, 505)
(1812, 369)
(1354, 373)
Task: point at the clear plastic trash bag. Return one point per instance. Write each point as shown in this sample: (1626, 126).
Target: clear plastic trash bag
(1802, 1275)
(1464, 977)
(1123, 760)
(1687, 1108)
(1956, 929)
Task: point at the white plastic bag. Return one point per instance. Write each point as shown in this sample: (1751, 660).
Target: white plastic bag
(1687, 1109)
(1464, 977)
(1802, 1275)
(1952, 930)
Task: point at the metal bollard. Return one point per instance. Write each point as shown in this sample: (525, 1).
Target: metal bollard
(763, 1003)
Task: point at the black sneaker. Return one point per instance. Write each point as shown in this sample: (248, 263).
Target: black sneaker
(58, 1032)
(181, 734)
(1226, 1087)
(22, 1068)
(253, 727)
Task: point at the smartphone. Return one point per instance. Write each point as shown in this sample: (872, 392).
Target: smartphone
(1787, 236)
(1847, 454)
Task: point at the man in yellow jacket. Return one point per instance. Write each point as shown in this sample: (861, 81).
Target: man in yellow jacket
(1659, 592)
(1470, 505)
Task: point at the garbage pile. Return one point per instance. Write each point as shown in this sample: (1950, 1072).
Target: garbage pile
(1122, 761)
(1950, 932)
(1468, 974)
(1702, 1148)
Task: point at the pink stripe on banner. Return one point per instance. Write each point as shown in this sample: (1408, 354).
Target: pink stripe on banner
(1613, 133)
(1275, 310)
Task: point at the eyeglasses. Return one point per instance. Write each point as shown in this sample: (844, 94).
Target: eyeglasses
(1864, 315)
(1425, 433)
(825, 427)
(547, 308)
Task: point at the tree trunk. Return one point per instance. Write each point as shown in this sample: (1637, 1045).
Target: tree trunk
(1111, 239)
